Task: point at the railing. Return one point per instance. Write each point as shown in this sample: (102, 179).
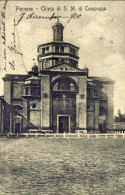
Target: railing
(67, 135)
(119, 131)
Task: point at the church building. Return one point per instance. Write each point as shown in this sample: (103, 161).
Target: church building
(57, 95)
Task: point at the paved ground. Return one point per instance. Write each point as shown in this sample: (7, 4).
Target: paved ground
(62, 166)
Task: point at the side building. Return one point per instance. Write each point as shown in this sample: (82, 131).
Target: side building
(57, 95)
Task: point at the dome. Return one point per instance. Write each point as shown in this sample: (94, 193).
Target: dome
(34, 66)
(85, 69)
(58, 24)
(34, 70)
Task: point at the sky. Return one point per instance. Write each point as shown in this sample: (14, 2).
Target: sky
(99, 35)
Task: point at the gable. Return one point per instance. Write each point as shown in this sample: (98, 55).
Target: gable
(64, 67)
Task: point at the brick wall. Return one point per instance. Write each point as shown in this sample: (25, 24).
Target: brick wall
(7, 91)
(81, 103)
(108, 89)
(17, 89)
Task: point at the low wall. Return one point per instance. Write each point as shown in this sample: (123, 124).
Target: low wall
(119, 125)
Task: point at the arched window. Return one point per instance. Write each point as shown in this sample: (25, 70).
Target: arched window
(18, 107)
(65, 84)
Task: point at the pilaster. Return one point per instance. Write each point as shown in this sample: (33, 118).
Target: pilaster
(45, 102)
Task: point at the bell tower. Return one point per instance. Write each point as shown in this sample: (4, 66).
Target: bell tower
(58, 31)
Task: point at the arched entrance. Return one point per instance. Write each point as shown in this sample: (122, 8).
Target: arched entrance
(64, 90)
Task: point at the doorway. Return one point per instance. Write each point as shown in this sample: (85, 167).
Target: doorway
(100, 128)
(17, 127)
(63, 124)
(17, 124)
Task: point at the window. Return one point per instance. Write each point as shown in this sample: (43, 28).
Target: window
(27, 91)
(56, 61)
(95, 92)
(34, 105)
(74, 52)
(37, 91)
(57, 49)
(72, 88)
(43, 50)
(70, 50)
(62, 49)
(64, 85)
(73, 62)
(18, 107)
(102, 110)
(90, 92)
(47, 48)
(62, 60)
(56, 87)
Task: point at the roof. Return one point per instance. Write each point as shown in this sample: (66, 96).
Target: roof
(102, 79)
(85, 68)
(58, 24)
(56, 42)
(33, 78)
(51, 67)
(35, 66)
(63, 68)
(15, 77)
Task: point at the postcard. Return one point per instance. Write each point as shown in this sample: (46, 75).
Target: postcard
(62, 75)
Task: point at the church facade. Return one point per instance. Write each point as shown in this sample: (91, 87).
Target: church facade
(57, 95)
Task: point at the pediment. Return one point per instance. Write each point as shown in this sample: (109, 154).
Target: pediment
(64, 67)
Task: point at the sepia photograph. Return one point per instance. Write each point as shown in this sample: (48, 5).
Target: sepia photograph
(62, 97)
